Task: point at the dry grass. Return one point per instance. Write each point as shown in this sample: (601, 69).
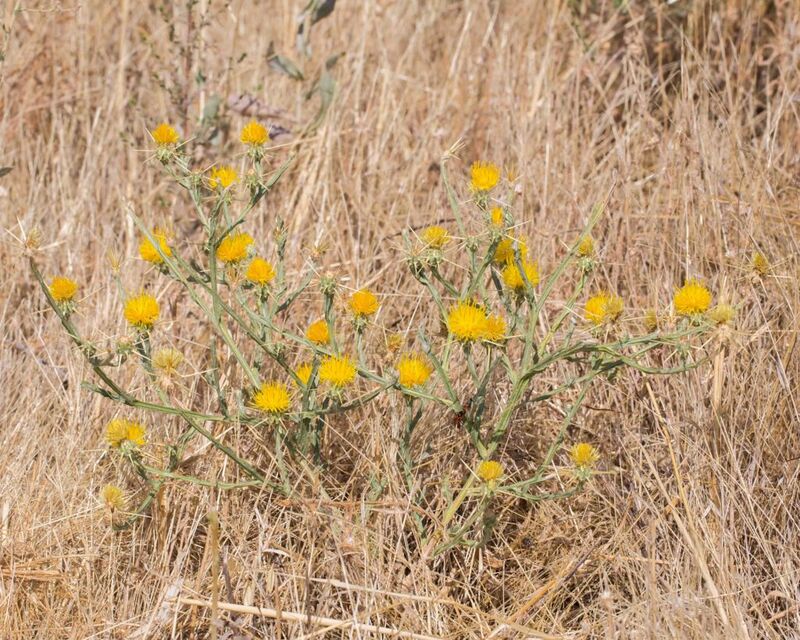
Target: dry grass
(686, 115)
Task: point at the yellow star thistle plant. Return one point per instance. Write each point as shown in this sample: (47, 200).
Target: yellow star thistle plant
(484, 352)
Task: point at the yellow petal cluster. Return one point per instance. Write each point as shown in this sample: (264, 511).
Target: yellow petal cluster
(272, 397)
(113, 497)
(490, 470)
(304, 372)
(148, 251)
(142, 311)
(435, 237)
(504, 253)
(337, 371)
(234, 248)
(512, 277)
(119, 431)
(485, 176)
(63, 289)
(165, 135)
(584, 455)
(254, 134)
(691, 299)
(413, 371)
(363, 303)
(603, 308)
(468, 321)
(318, 333)
(259, 271)
(222, 177)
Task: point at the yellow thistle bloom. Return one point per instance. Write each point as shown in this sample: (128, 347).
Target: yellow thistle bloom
(651, 320)
(495, 329)
(490, 471)
(363, 303)
(119, 431)
(148, 251)
(254, 134)
(603, 307)
(485, 176)
(113, 497)
(497, 217)
(692, 298)
(260, 272)
(222, 177)
(722, 314)
(586, 247)
(272, 397)
(413, 371)
(165, 135)
(435, 237)
(513, 278)
(505, 250)
(467, 321)
(318, 333)
(760, 264)
(338, 372)
(63, 289)
(584, 455)
(142, 311)
(304, 372)
(234, 248)
(167, 361)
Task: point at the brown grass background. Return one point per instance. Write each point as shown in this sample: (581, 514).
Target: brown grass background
(685, 116)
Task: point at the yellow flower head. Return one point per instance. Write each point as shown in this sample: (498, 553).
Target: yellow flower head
(413, 371)
(148, 251)
(513, 278)
(651, 320)
(435, 237)
(497, 217)
(254, 134)
(260, 272)
(272, 397)
(467, 321)
(691, 299)
(505, 250)
(584, 455)
(603, 307)
(495, 329)
(113, 497)
(760, 264)
(304, 372)
(167, 361)
(318, 333)
(120, 431)
(490, 470)
(485, 176)
(142, 311)
(234, 248)
(222, 177)
(338, 372)
(165, 135)
(63, 289)
(363, 303)
(586, 247)
(722, 314)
